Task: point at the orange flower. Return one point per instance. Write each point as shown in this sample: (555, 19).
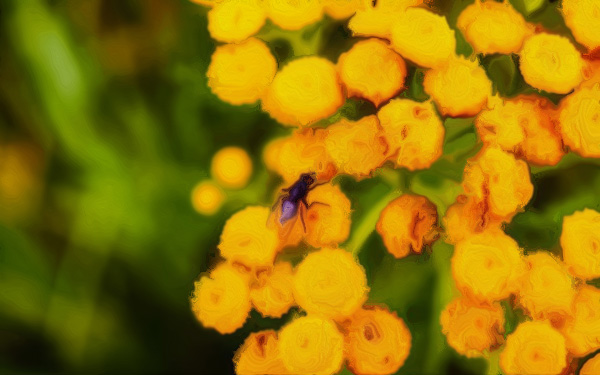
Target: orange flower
(259, 355)
(293, 14)
(231, 167)
(580, 122)
(582, 329)
(233, 21)
(378, 20)
(582, 17)
(466, 217)
(580, 241)
(274, 293)
(328, 218)
(207, 198)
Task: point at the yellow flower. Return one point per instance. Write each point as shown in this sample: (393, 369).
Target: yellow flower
(486, 266)
(372, 70)
(341, 9)
(580, 122)
(591, 73)
(492, 27)
(305, 91)
(274, 294)
(472, 329)
(233, 21)
(331, 283)
(459, 88)
(240, 73)
(248, 240)
(583, 18)
(294, 14)
(231, 167)
(207, 197)
(534, 348)
(378, 20)
(356, 147)
(546, 290)
(377, 342)
(259, 355)
(591, 366)
(311, 345)
(413, 131)
(499, 180)
(423, 37)
(466, 217)
(582, 329)
(580, 241)
(222, 300)
(551, 63)
(328, 219)
(407, 224)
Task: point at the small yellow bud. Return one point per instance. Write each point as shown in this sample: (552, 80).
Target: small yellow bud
(233, 21)
(259, 355)
(378, 20)
(231, 167)
(207, 198)
(274, 293)
(580, 241)
(341, 9)
(466, 217)
(293, 14)
(582, 328)
(583, 18)
(328, 218)
(580, 121)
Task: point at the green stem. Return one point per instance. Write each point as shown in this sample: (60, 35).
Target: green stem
(494, 363)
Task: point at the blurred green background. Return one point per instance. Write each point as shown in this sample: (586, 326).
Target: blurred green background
(106, 124)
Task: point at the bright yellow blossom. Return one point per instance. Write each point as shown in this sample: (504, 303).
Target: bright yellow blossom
(328, 218)
(377, 342)
(371, 70)
(274, 293)
(259, 355)
(580, 121)
(293, 14)
(378, 20)
(311, 345)
(591, 366)
(330, 282)
(466, 217)
(472, 329)
(459, 88)
(240, 73)
(341, 9)
(582, 329)
(207, 197)
(304, 91)
(551, 63)
(534, 348)
(580, 241)
(583, 18)
(233, 21)
(407, 224)
(414, 133)
(231, 167)
(222, 299)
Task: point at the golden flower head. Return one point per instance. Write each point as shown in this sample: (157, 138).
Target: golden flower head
(328, 218)
(413, 131)
(356, 147)
(459, 88)
(341, 9)
(377, 342)
(233, 21)
(240, 73)
(207, 198)
(304, 91)
(492, 27)
(231, 167)
(580, 241)
(580, 122)
(259, 355)
(582, 17)
(248, 240)
(466, 217)
(274, 293)
(371, 70)
(486, 266)
(331, 283)
(407, 224)
(534, 348)
(294, 14)
(582, 329)
(311, 345)
(222, 299)
(591, 366)
(551, 63)
(378, 20)
(472, 329)
(423, 37)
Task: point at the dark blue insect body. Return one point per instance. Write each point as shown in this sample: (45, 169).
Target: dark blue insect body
(296, 194)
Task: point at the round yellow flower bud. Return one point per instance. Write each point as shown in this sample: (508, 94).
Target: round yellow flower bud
(580, 241)
(222, 300)
(331, 283)
(423, 37)
(304, 91)
(486, 266)
(498, 179)
(591, 366)
(459, 88)
(371, 70)
(274, 294)
(580, 122)
(231, 167)
(551, 63)
(207, 198)
(294, 14)
(546, 290)
(492, 27)
(233, 21)
(582, 329)
(259, 355)
(240, 73)
(311, 345)
(356, 147)
(328, 218)
(377, 342)
(341, 9)
(407, 224)
(378, 20)
(583, 18)
(534, 348)
(248, 240)
(472, 329)
(466, 217)
(413, 131)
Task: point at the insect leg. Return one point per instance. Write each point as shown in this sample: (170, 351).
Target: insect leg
(301, 214)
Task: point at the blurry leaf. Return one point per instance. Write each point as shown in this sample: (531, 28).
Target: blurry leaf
(503, 73)
(414, 80)
(462, 46)
(528, 7)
